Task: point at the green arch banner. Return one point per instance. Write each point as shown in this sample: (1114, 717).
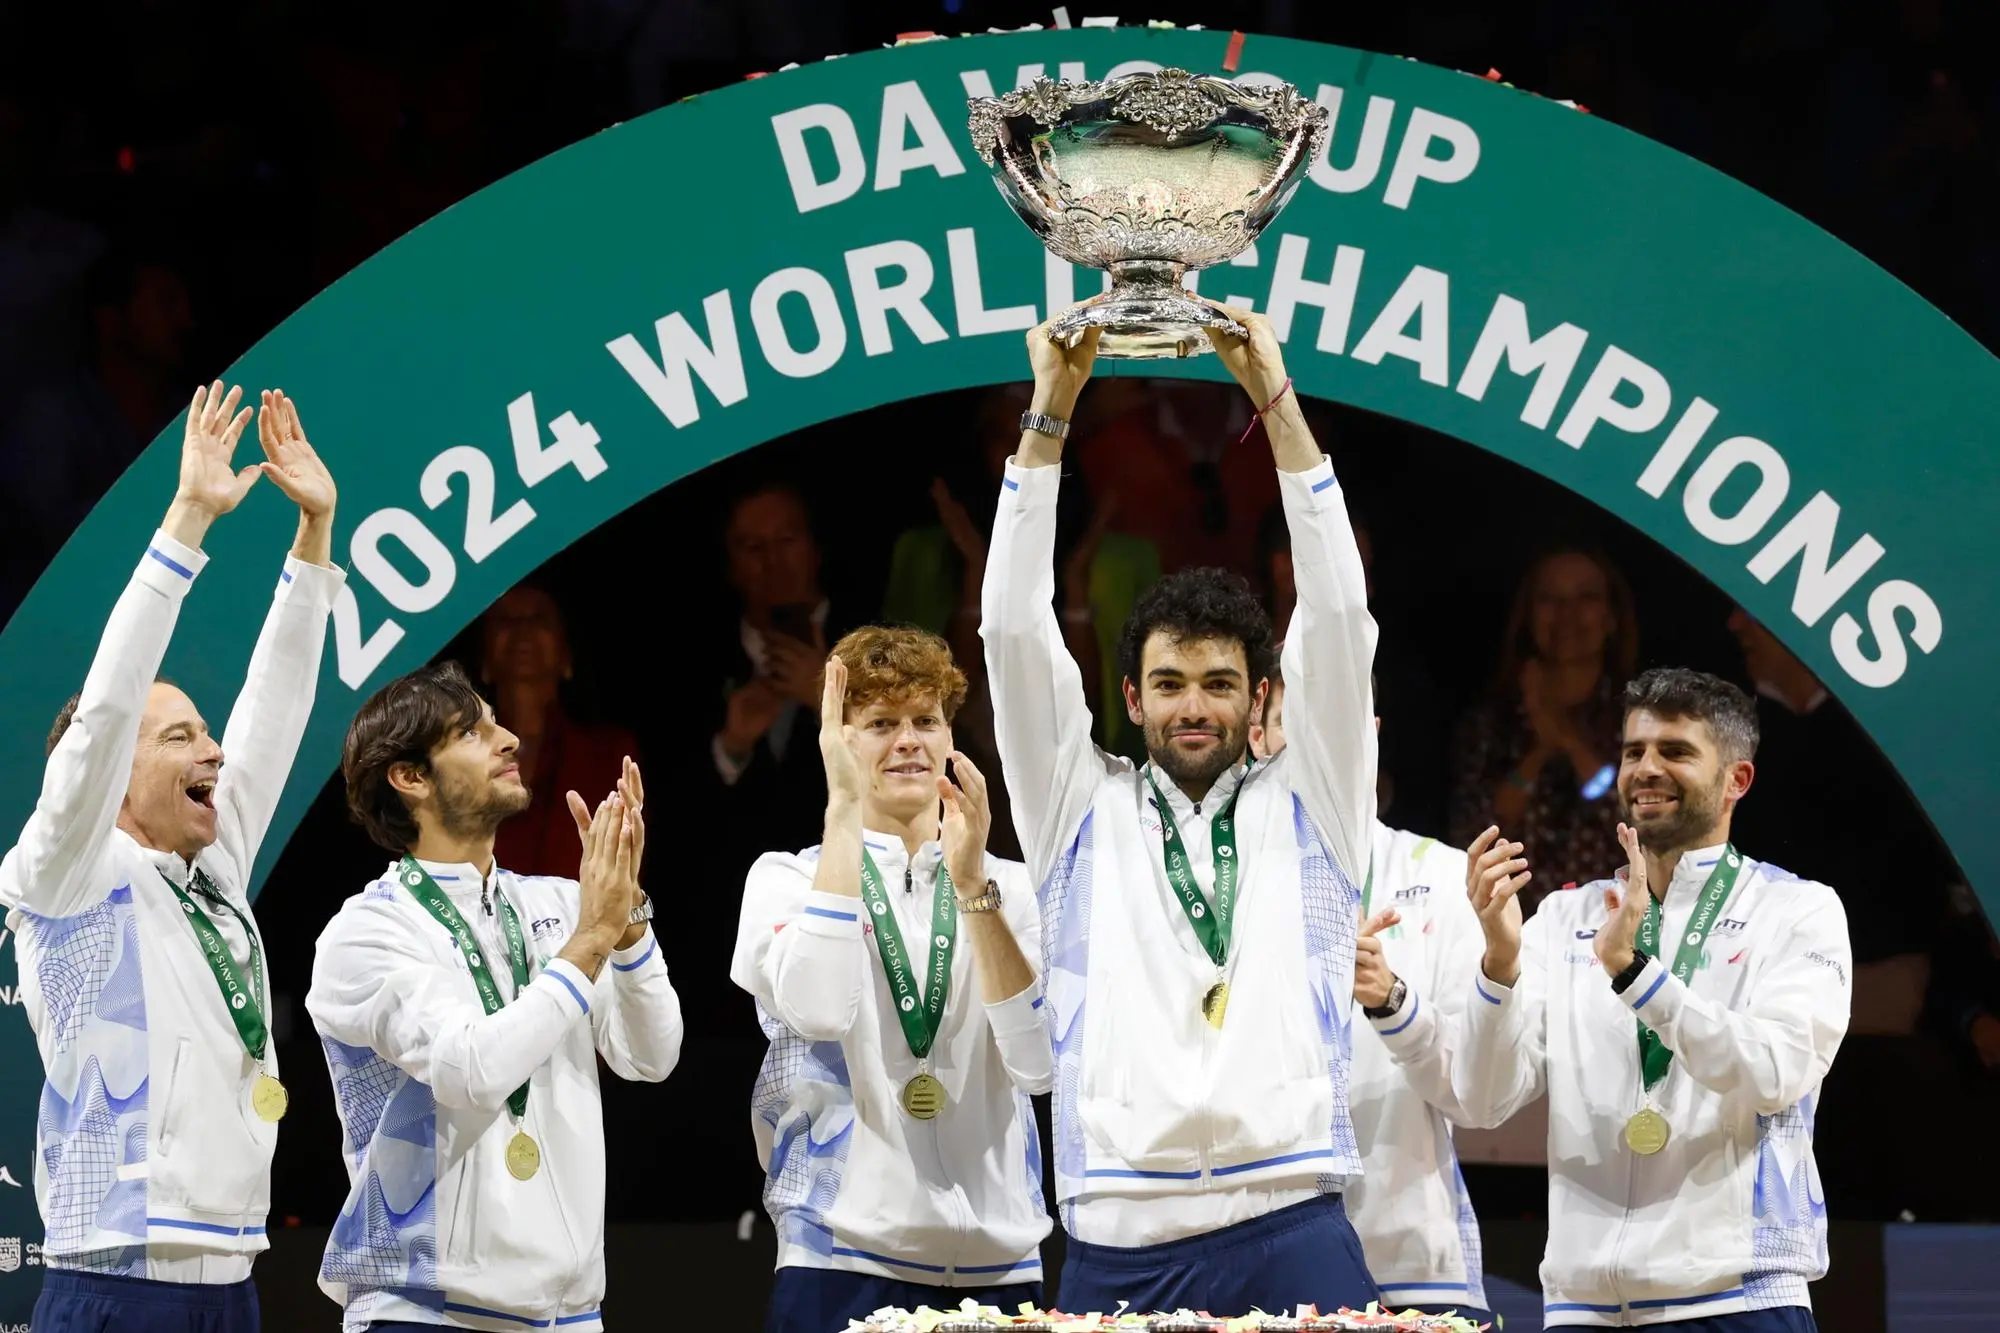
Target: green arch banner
(1753, 394)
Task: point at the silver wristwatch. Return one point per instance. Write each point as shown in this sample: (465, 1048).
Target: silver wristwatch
(1392, 1005)
(644, 911)
(1043, 424)
(988, 901)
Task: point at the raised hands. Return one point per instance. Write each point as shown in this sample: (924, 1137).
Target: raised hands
(292, 464)
(210, 485)
(1495, 874)
(630, 797)
(968, 819)
(1061, 370)
(607, 884)
(1625, 908)
(1257, 362)
(1372, 978)
(846, 783)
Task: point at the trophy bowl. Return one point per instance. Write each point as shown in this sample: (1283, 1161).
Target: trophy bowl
(1148, 176)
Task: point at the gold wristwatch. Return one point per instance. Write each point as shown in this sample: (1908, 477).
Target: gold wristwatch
(988, 901)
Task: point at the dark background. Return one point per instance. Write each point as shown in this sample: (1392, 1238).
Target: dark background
(260, 149)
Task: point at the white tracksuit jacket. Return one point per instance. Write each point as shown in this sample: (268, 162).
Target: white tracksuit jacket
(1729, 1215)
(149, 1161)
(1410, 1207)
(1165, 1126)
(852, 1181)
(435, 1230)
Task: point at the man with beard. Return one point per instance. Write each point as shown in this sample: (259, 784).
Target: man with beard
(892, 1112)
(1199, 913)
(1681, 1017)
(142, 968)
(1419, 940)
(463, 1009)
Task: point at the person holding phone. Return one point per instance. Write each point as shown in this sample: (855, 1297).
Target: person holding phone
(892, 970)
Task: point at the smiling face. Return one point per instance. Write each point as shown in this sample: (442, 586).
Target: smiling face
(903, 744)
(473, 782)
(1673, 784)
(1194, 701)
(170, 798)
(1570, 609)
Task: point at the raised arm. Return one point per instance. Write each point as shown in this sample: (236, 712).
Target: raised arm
(1041, 715)
(270, 716)
(636, 1016)
(51, 871)
(1778, 1047)
(1330, 645)
(799, 948)
(1427, 1034)
(1009, 987)
(1503, 1063)
(377, 984)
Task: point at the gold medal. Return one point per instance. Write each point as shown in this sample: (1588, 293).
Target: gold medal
(923, 1097)
(1646, 1132)
(1214, 1003)
(523, 1157)
(269, 1099)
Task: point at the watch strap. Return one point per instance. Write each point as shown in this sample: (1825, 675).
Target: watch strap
(643, 912)
(1398, 994)
(1623, 981)
(987, 901)
(1043, 424)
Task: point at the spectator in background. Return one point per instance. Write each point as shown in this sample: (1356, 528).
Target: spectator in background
(1413, 759)
(934, 581)
(1819, 780)
(763, 750)
(1965, 994)
(76, 434)
(1540, 754)
(524, 660)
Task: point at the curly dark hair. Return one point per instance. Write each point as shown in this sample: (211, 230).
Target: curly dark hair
(402, 723)
(1200, 604)
(1677, 692)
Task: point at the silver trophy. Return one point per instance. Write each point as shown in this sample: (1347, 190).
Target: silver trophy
(1149, 176)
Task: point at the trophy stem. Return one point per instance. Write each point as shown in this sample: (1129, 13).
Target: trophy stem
(1147, 273)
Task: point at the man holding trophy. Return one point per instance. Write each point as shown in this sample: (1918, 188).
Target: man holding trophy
(1199, 912)
(1680, 1018)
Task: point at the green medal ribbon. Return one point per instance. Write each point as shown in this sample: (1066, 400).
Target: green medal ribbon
(920, 1020)
(1211, 922)
(433, 900)
(1654, 1057)
(245, 1003)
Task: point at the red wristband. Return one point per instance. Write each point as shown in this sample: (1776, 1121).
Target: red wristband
(1283, 389)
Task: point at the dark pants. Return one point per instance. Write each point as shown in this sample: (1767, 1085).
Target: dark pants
(74, 1302)
(1306, 1254)
(1472, 1312)
(1784, 1319)
(822, 1300)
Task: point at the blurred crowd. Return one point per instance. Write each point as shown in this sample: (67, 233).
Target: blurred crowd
(176, 179)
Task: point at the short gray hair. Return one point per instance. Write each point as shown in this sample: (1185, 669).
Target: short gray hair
(1678, 692)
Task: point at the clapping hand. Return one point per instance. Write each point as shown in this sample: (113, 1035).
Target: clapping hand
(846, 783)
(968, 820)
(1625, 908)
(1495, 874)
